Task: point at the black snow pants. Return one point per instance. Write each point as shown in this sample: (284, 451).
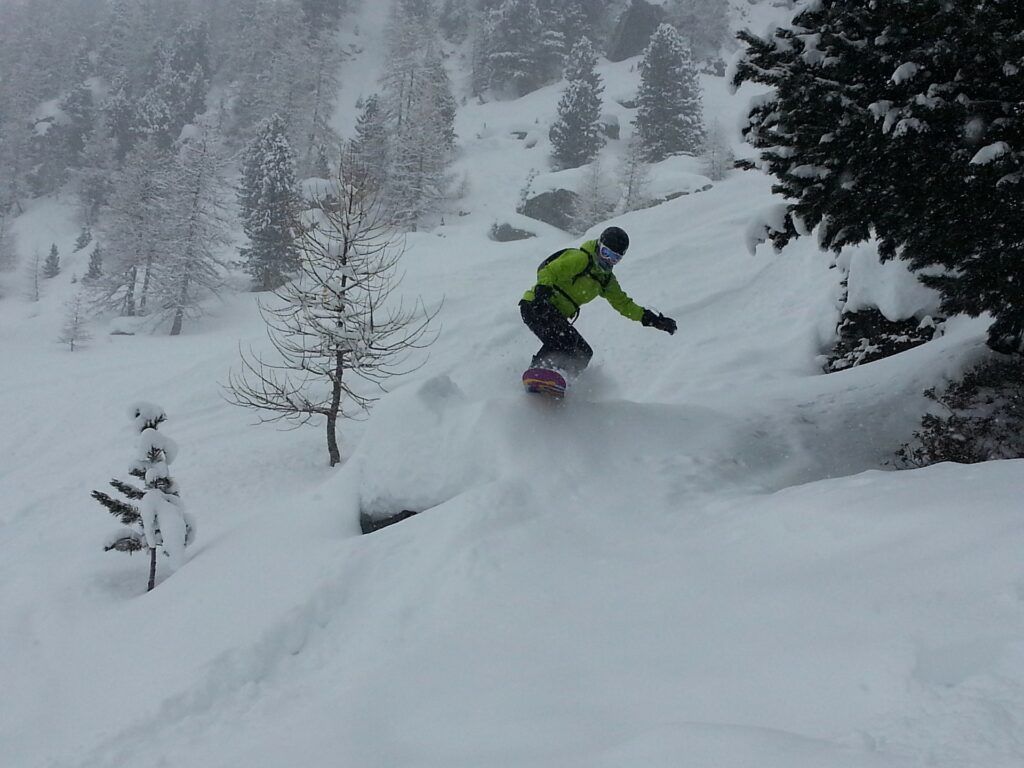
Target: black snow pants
(563, 346)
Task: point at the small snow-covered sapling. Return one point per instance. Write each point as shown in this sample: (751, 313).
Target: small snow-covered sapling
(153, 516)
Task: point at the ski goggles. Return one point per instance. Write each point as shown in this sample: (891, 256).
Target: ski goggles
(607, 256)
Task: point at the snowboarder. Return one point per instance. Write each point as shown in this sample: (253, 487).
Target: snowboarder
(567, 280)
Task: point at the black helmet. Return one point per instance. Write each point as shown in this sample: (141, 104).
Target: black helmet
(616, 239)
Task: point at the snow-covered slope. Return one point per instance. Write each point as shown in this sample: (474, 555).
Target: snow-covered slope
(694, 560)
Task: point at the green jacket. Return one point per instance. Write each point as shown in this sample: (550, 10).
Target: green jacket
(577, 279)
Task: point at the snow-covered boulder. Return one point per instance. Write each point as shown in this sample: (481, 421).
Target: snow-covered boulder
(557, 208)
(676, 176)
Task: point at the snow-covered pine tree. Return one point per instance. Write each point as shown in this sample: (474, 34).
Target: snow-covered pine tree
(124, 510)
(576, 136)
(155, 118)
(94, 178)
(809, 137)
(444, 106)
(153, 516)
(14, 142)
(257, 38)
(335, 324)
(38, 42)
(454, 19)
(903, 124)
(59, 56)
(47, 153)
(165, 523)
(198, 231)
(190, 48)
(669, 117)
(554, 45)
(95, 270)
(121, 49)
(978, 270)
(522, 54)
(83, 239)
(13, 156)
(51, 267)
(176, 85)
(121, 118)
(573, 19)
(76, 323)
(78, 124)
(136, 230)
(369, 146)
(321, 15)
(36, 77)
(479, 64)
(281, 62)
(270, 203)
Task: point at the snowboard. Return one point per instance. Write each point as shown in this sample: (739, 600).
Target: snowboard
(544, 381)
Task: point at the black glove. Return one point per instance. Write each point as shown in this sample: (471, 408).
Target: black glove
(659, 321)
(543, 293)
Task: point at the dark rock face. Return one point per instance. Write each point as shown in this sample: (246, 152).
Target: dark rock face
(504, 233)
(675, 195)
(609, 125)
(369, 523)
(557, 208)
(634, 30)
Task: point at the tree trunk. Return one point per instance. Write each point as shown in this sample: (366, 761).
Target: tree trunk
(152, 569)
(128, 309)
(316, 113)
(332, 439)
(332, 414)
(145, 284)
(179, 315)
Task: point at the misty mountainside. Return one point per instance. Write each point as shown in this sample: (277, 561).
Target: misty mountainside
(260, 271)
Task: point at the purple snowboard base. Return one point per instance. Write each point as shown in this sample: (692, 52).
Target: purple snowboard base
(543, 381)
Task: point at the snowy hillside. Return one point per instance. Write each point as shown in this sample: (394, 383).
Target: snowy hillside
(697, 559)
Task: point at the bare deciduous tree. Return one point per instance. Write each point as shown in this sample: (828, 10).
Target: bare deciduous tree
(716, 155)
(76, 323)
(32, 278)
(598, 196)
(338, 322)
(635, 175)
